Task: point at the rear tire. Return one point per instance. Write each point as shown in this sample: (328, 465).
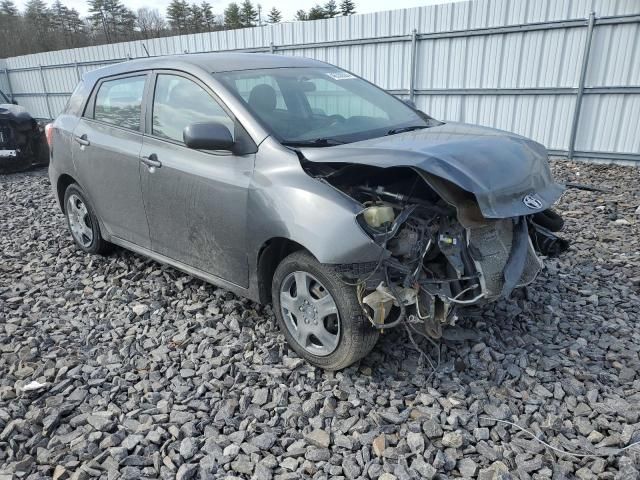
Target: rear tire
(83, 222)
(328, 340)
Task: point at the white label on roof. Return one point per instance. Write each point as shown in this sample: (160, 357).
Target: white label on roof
(340, 75)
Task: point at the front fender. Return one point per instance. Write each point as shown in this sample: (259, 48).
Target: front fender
(285, 202)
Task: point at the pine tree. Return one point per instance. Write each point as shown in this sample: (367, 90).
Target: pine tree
(10, 23)
(208, 18)
(347, 7)
(248, 14)
(232, 16)
(75, 24)
(195, 18)
(61, 20)
(301, 15)
(38, 20)
(116, 21)
(275, 15)
(331, 9)
(178, 16)
(316, 13)
(37, 13)
(58, 16)
(125, 22)
(8, 8)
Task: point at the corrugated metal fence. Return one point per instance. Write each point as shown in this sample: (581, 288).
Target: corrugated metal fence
(564, 72)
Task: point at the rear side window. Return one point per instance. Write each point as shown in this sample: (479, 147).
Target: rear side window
(119, 102)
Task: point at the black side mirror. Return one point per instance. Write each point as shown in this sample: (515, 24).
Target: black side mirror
(15, 102)
(207, 136)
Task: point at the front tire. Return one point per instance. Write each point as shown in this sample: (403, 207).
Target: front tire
(319, 314)
(83, 222)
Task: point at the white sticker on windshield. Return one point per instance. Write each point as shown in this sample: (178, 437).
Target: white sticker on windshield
(340, 75)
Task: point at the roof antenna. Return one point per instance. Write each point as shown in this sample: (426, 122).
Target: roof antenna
(145, 50)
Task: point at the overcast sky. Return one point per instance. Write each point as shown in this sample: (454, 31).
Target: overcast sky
(287, 7)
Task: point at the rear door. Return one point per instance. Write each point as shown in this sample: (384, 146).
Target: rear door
(107, 144)
(195, 200)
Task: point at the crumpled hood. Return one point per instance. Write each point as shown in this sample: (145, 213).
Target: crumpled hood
(499, 168)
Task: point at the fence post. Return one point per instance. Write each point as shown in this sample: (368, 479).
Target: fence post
(580, 93)
(46, 92)
(272, 48)
(6, 73)
(412, 73)
(78, 70)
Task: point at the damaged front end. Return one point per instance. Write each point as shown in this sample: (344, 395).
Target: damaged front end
(22, 139)
(440, 252)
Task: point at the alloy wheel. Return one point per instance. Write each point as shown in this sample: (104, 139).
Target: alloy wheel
(79, 221)
(310, 313)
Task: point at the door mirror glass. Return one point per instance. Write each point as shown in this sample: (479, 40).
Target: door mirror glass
(207, 136)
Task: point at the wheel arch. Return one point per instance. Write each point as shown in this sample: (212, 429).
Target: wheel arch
(63, 183)
(271, 253)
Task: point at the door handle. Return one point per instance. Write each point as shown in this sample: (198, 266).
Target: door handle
(151, 161)
(82, 140)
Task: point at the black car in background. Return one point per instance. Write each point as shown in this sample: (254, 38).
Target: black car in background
(22, 138)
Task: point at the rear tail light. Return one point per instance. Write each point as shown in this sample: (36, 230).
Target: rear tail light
(48, 132)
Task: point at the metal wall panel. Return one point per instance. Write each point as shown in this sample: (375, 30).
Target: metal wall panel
(509, 64)
(610, 123)
(546, 118)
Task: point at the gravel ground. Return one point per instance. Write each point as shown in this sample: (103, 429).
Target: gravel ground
(142, 371)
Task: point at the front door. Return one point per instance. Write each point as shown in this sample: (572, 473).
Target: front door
(195, 200)
(106, 154)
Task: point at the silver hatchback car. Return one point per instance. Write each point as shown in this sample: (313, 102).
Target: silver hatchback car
(291, 181)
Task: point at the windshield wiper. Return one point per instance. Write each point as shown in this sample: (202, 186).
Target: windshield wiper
(316, 142)
(410, 128)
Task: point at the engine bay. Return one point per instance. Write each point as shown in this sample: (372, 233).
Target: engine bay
(440, 253)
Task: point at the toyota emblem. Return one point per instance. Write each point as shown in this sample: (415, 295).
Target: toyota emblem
(532, 201)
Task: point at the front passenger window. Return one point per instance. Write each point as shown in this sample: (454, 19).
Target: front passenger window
(178, 102)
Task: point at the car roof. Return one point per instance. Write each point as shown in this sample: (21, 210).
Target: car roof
(211, 62)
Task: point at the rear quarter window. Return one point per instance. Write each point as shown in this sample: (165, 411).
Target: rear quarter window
(76, 101)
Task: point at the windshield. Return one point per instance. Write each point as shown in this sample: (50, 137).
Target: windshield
(321, 106)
